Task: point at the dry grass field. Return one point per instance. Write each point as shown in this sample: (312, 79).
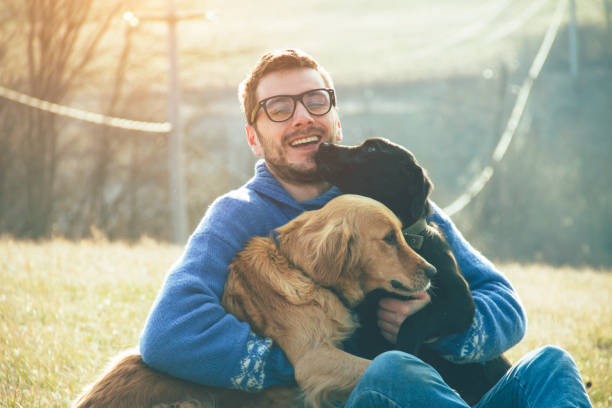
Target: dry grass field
(66, 307)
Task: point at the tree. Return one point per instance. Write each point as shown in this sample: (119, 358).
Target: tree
(60, 40)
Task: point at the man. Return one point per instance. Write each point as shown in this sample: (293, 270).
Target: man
(289, 105)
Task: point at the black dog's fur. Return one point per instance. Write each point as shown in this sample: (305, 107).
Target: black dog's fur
(390, 174)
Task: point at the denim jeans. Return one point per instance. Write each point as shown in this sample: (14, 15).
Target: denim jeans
(544, 378)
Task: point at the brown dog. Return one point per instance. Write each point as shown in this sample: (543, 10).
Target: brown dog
(297, 287)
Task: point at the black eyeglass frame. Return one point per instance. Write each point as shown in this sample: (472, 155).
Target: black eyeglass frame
(296, 99)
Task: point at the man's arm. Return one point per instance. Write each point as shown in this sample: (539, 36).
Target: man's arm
(500, 319)
(189, 335)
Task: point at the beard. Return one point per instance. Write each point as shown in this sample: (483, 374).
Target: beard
(304, 172)
(293, 173)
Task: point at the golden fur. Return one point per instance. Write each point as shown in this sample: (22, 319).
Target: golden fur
(297, 289)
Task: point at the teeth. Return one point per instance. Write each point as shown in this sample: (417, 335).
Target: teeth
(304, 141)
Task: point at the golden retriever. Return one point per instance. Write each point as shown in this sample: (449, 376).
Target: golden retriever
(298, 287)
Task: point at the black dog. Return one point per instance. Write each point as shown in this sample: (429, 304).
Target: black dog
(390, 174)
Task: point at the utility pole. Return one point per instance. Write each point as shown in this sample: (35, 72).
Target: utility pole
(607, 11)
(175, 137)
(175, 141)
(573, 40)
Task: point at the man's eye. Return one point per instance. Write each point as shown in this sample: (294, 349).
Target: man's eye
(276, 109)
(315, 104)
(390, 238)
(279, 104)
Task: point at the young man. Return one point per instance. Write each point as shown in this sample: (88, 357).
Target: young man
(289, 104)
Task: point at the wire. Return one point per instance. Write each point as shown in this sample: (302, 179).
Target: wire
(97, 118)
(515, 117)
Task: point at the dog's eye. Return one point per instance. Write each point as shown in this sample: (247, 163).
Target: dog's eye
(370, 149)
(390, 238)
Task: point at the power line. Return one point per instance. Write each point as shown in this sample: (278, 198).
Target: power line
(463, 200)
(92, 117)
(515, 117)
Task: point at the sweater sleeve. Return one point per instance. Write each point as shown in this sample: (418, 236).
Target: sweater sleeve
(500, 320)
(189, 335)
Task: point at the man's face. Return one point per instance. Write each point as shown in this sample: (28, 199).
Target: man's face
(288, 147)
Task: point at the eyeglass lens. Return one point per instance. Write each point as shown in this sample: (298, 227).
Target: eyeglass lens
(281, 108)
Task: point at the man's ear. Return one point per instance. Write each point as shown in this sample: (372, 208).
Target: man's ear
(338, 131)
(253, 140)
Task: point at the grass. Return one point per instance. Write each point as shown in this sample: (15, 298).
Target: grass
(571, 308)
(66, 307)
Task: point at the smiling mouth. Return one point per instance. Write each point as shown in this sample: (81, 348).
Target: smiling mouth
(305, 141)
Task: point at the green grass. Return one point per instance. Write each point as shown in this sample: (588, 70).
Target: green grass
(66, 307)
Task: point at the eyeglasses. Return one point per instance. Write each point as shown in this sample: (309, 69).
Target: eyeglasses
(280, 108)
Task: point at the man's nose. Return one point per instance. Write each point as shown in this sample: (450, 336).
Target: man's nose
(301, 115)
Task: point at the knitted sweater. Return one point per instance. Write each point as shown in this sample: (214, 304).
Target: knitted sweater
(189, 335)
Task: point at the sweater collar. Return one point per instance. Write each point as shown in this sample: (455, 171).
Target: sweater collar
(264, 183)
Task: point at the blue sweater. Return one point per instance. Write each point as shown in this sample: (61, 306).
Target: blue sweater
(189, 335)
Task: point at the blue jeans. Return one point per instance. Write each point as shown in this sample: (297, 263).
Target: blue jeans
(544, 378)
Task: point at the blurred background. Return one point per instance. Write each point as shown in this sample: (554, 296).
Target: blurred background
(442, 78)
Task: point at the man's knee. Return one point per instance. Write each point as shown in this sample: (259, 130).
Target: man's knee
(552, 356)
(548, 376)
(396, 378)
(400, 365)
(547, 365)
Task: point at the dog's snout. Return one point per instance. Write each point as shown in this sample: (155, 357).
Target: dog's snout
(430, 271)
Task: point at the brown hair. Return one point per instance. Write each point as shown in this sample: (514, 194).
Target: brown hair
(272, 61)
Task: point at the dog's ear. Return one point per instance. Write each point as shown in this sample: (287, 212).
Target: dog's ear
(327, 245)
(420, 206)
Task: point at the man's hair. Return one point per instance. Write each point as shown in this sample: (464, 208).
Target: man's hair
(272, 61)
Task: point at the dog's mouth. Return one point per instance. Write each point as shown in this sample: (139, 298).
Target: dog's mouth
(398, 291)
(395, 284)
(402, 290)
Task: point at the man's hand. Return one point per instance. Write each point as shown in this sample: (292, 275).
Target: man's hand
(392, 313)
